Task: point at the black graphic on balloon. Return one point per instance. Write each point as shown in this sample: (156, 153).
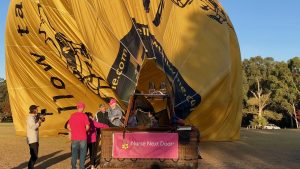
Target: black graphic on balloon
(186, 99)
(182, 3)
(218, 15)
(158, 15)
(76, 56)
(146, 4)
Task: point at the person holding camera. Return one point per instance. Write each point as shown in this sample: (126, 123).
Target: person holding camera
(33, 124)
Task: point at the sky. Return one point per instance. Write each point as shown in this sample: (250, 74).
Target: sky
(267, 28)
(3, 13)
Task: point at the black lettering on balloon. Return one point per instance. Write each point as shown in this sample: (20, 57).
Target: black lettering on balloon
(186, 99)
(58, 83)
(43, 20)
(19, 13)
(122, 68)
(60, 109)
(22, 31)
(55, 98)
(47, 39)
(119, 68)
(18, 10)
(40, 61)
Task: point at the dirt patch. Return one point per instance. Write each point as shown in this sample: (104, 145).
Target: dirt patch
(256, 149)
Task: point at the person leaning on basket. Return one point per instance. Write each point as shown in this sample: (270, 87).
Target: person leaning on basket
(115, 113)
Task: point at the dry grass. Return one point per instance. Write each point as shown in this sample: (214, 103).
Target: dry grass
(256, 149)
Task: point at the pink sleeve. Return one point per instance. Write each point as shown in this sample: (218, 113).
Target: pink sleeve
(86, 120)
(100, 125)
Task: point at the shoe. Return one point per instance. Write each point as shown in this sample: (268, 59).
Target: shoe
(199, 157)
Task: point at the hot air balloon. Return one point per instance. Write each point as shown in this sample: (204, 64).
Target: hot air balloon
(61, 52)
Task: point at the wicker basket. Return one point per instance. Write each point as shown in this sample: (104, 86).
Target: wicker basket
(187, 152)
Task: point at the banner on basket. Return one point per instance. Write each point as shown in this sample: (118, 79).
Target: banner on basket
(145, 145)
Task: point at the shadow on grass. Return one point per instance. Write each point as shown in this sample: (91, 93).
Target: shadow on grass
(46, 161)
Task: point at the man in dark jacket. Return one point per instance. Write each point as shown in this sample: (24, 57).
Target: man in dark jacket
(101, 115)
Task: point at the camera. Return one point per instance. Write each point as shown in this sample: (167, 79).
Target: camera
(42, 114)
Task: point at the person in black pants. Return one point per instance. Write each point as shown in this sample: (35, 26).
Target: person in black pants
(91, 138)
(33, 124)
(34, 149)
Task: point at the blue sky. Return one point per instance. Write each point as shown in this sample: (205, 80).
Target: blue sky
(264, 27)
(269, 28)
(3, 13)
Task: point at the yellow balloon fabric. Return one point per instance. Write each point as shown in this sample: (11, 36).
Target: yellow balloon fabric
(61, 52)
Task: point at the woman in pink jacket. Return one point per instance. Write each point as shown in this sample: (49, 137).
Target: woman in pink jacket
(91, 138)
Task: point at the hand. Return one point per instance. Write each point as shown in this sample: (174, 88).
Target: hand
(42, 119)
(180, 122)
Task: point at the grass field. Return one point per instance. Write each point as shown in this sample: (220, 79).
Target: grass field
(262, 149)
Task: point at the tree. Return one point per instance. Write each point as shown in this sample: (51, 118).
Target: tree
(298, 115)
(260, 97)
(245, 91)
(4, 101)
(294, 66)
(258, 68)
(285, 93)
(260, 101)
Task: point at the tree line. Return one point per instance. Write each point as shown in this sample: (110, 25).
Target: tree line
(271, 92)
(4, 101)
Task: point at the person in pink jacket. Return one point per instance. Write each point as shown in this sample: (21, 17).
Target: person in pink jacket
(91, 138)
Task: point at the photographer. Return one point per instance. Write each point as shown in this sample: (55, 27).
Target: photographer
(33, 124)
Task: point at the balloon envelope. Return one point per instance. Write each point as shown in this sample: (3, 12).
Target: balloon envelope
(61, 52)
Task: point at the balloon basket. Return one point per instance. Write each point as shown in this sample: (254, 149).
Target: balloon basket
(188, 146)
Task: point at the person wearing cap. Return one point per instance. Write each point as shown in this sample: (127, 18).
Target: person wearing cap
(115, 113)
(79, 125)
(101, 115)
(33, 124)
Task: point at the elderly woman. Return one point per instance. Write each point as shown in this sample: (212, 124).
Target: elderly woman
(115, 113)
